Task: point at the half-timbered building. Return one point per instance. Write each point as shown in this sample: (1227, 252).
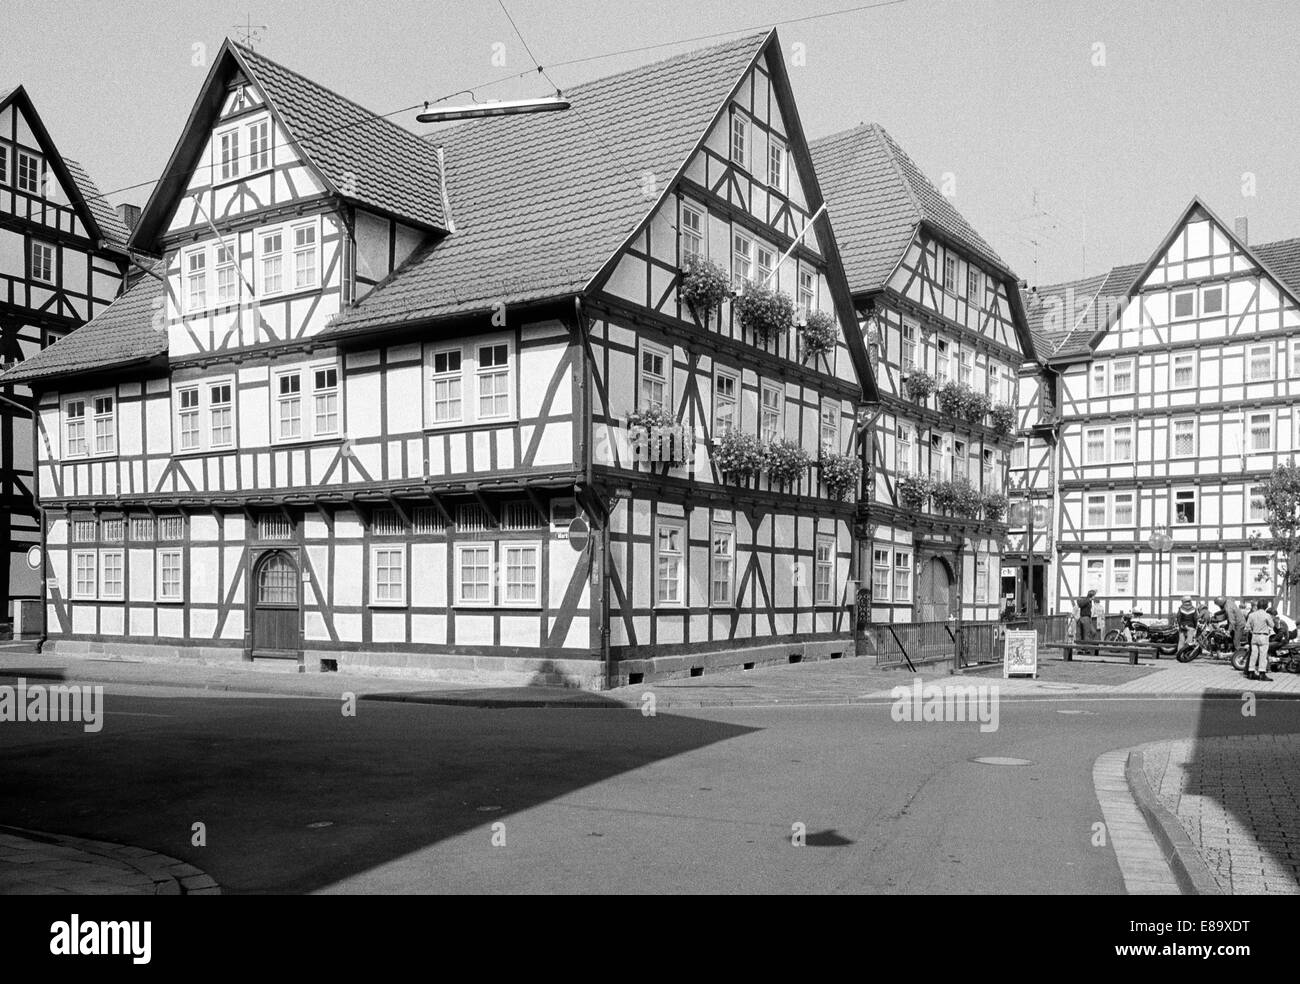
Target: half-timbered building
(946, 334)
(374, 411)
(62, 261)
(1177, 383)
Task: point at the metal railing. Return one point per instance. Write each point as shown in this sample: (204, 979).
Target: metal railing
(910, 643)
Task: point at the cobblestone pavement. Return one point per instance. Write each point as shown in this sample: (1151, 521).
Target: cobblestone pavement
(33, 863)
(1238, 798)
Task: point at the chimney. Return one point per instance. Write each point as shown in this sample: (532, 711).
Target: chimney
(1241, 226)
(130, 215)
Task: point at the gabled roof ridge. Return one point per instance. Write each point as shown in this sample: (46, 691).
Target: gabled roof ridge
(247, 51)
(893, 151)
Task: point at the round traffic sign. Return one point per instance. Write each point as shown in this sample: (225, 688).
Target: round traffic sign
(578, 534)
(34, 557)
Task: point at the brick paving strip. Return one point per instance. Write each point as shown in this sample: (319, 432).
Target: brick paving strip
(1238, 800)
(35, 863)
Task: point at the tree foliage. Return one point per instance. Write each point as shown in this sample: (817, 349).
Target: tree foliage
(1282, 504)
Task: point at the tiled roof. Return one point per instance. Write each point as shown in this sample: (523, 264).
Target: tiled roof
(1283, 259)
(369, 159)
(877, 196)
(541, 202)
(121, 334)
(110, 224)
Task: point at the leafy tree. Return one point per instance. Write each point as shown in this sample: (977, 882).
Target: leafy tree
(1282, 504)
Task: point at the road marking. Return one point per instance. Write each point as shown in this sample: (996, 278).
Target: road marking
(139, 714)
(1000, 760)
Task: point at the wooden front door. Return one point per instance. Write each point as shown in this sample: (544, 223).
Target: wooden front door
(934, 592)
(275, 604)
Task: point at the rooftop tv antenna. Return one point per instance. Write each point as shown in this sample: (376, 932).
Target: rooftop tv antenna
(249, 33)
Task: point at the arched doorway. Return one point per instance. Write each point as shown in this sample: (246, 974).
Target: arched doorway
(934, 591)
(275, 604)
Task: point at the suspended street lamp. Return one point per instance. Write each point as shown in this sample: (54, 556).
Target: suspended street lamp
(503, 107)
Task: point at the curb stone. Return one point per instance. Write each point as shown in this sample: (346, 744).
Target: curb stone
(169, 875)
(1184, 860)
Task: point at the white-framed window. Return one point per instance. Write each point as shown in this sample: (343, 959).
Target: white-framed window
(654, 382)
(908, 355)
(988, 475)
(259, 145)
(904, 449)
(777, 161)
(170, 580)
(306, 255)
(85, 531)
(1211, 300)
(142, 529)
(171, 527)
(521, 567)
(1185, 507)
(474, 574)
(902, 577)
(742, 258)
(1185, 574)
(1259, 571)
(764, 261)
(1122, 511)
(221, 415)
(1261, 431)
(388, 575)
(28, 173)
(1184, 305)
(1094, 575)
(959, 459)
(1020, 454)
(692, 234)
(670, 558)
(965, 366)
(227, 276)
(1097, 379)
(829, 426)
(824, 571)
(1095, 511)
(196, 279)
(771, 410)
(288, 401)
(941, 361)
(880, 568)
(1184, 370)
(725, 405)
(740, 140)
(722, 566)
(1094, 446)
(105, 419)
(1184, 443)
(42, 262)
(228, 154)
(1121, 377)
(270, 264)
(447, 386)
(4, 164)
(981, 579)
(1121, 443)
(973, 292)
(111, 575)
(85, 574)
(74, 429)
(1260, 363)
(1295, 358)
(325, 400)
(950, 273)
(1121, 576)
(1257, 510)
(807, 291)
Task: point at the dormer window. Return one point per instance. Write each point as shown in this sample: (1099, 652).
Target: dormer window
(950, 274)
(777, 165)
(740, 140)
(29, 173)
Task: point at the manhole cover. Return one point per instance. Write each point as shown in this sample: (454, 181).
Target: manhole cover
(320, 823)
(1000, 760)
(1059, 711)
(487, 809)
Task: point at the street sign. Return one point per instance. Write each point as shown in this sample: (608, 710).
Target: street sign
(34, 557)
(578, 534)
(1020, 653)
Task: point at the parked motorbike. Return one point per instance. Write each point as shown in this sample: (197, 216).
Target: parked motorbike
(1138, 628)
(1214, 641)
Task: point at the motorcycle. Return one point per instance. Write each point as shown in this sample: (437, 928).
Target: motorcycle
(1137, 628)
(1214, 640)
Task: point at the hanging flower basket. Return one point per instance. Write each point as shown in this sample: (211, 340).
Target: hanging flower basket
(819, 334)
(920, 384)
(785, 462)
(995, 506)
(976, 406)
(967, 499)
(913, 490)
(650, 418)
(840, 473)
(737, 455)
(952, 398)
(1003, 417)
(705, 285)
(767, 313)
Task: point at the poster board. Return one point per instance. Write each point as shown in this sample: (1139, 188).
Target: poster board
(1020, 653)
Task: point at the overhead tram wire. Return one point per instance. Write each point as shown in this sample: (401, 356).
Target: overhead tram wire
(517, 75)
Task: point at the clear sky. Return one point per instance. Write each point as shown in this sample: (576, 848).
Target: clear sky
(1072, 133)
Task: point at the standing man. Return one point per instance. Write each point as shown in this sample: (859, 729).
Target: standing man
(1260, 625)
(1087, 623)
(1236, 621)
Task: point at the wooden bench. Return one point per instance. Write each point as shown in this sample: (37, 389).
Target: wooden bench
(1133, 649)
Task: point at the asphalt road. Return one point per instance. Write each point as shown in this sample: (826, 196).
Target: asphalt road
(296, 797)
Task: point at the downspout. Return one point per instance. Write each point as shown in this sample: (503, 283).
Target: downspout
(40, 518)
(588, 477)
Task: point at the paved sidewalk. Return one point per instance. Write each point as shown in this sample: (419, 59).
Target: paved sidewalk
(1238, 799)
(33, 863)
